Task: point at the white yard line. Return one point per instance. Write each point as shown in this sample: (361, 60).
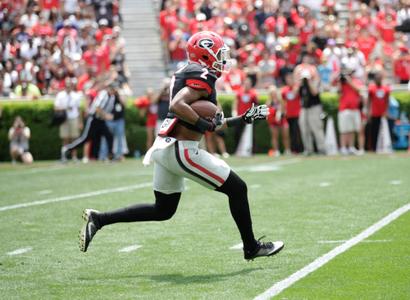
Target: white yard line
(255, 186)
(324, 184)
(343, 241)
(267, 165)
(237, 247)
(395, 182)
(130, 248)
(44, 192)
(19, 251)
(317, 263)
(78, 196)
(114, 190)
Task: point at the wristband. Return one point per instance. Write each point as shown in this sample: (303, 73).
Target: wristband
(203, 125)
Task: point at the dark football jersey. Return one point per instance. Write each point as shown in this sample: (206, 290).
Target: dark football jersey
(197, 77)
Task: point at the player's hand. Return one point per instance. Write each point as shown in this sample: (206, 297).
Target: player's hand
(259, 112)
(219, 120)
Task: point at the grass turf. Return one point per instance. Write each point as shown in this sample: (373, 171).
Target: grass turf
(301, 201)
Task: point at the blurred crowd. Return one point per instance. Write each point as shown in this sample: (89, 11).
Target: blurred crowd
(45, 42)
(267, 37)
(296, 49)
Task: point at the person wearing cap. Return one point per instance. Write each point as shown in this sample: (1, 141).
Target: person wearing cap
(66, 31)
(102, 31)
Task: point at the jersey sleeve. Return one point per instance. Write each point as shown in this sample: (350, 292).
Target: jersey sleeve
(200, 78)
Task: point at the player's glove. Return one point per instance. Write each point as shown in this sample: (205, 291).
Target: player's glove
(210, 125)
(259, 112)
(218, 120)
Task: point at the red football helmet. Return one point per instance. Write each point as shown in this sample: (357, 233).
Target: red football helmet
(208, 49)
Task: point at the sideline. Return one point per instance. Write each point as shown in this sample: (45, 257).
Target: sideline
(317, 263)
(78, 196)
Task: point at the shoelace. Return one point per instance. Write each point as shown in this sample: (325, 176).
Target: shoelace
(264, 245)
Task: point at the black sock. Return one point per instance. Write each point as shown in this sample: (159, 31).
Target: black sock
(163, 209)
(235, 188)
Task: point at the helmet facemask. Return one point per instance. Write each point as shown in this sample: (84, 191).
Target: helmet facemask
(222, 58)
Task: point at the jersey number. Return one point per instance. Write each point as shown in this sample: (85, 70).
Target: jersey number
(204, 73)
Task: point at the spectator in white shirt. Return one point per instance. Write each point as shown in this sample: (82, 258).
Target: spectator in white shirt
(30, 18)
(69, 101)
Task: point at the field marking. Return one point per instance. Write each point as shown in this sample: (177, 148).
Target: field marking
(237, 247)
(317, 263)
(44, 192)
(343, 241)
(120, 189)
(19, 251)
(325, 184)
(395, 182)
(268, 166)
(34, 170)
(130, 248)
(255, 186)
(78, 196)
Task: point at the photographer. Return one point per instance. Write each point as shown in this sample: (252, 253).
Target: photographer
(310, 120)
(349, 119)
(19, 135)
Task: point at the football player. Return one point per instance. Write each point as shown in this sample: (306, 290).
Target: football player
(176, 155)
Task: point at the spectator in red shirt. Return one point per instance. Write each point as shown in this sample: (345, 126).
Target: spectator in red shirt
(365, 43)
(307, 27)
(386, 27)
(148, 107)
(378, 100)
(245, 97)
(292, 104)
(277, 123)
(177, 46)
(43, 28)
(402, 65)
(102, 31)
(168, 19)
(349, 119)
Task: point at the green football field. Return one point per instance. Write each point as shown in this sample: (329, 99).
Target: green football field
(314, 205)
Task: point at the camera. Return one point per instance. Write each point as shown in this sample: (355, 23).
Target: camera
(344, 72)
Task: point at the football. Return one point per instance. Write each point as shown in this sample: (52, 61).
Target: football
(204, 109)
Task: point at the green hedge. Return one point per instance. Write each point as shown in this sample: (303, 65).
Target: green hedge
(45, 143)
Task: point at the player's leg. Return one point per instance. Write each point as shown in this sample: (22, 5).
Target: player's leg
(236, 190)
(167, 190)
(214, 173)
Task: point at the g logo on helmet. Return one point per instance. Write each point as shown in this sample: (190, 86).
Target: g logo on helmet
(206, 43)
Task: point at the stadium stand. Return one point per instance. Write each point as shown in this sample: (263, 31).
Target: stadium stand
(352, 34)
(44, 42)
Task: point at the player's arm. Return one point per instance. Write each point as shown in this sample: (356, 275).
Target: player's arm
(259, 112)
(180, 105)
